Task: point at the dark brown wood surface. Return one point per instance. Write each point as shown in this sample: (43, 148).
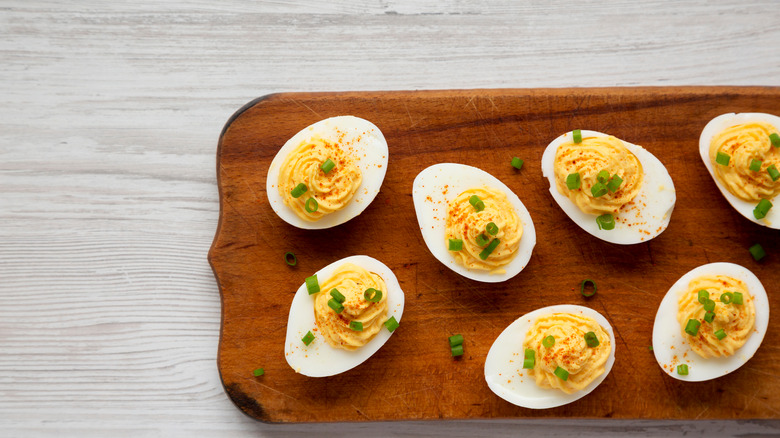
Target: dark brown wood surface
(413, 375)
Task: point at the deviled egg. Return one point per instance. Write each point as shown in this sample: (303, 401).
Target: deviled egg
(613, 189)
(327, 173)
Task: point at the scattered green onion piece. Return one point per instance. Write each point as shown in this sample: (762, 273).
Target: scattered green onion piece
(606, 222)
(577, 136)
(311, 205)
(720, 334)
(373, 295)
(762, 209)
(755, 165)
(529, 353)
(480, 206)
(614, 184)
(583, 286)
(299, 190)
(722, 159)
(709, 316)
(709, 305)
(474, 200)
(692, 328)
(312, 285)
(591, 339)
(337, 295)
(456, 245)
(258, 372)
(391, 324)
(356, 326)
(308, 338)
(573, 181)
(703, 296)
(530, 359)
(650, 348)
(757, 251)
(726, 298)
(457, 350)
(335, 305)
(290, 259)
(682, 369)
(602, 176)
(492, 228)
(775, 139)
(598, 190)
(327, 165)
(482, 239)
(456, 340)
(517, 163)
(562, 374)
(773, 172)
(737, 299)
(489, 249)
(549, 341)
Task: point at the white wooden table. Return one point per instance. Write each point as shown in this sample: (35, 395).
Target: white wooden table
(109, 119)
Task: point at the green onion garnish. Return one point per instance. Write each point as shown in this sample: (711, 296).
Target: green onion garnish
(602, 176)
(709, 305)
(722, 159)
(474, 200)
(775, 139)
(308, 338)
(573, 181)
(577, 135)
(755, 165)
(492, 228)
(606, 222)
(290, 259)
(773, 172)
(356, 326)
(598, 190)
(562, 374)
(692, 328)
(456, 340)
(479, 206)
(373, 295)
(682, 370)
(737, 298)
(726, 297)
(488, 249)
(650, 348)
(327, 165)
(337, 295)
(258, 372)
(482, 239)
(391, 324)
(720, 334)
(591, 339)
(583, 288)
(709, 316)
(517, 163)
(614, 184)
(548, 342)
(299, 190)
(457, 350)
(757, 251)
(762, 209)
(703, 296)
(456, 245)
(530, 359)
(335, 305)
(312, 285)
(311, 205)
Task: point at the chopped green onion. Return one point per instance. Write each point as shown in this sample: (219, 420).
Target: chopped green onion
(391, 324)
(573, 181)
(308, 338)
(762, 209)
(775, 139)
(726, 297)
(529, 353)
(482, 239)
(457, 350)
(577, 135)
(709, 305)
(598, 190)
(722, 159)
(549, 341)
(456, 245)
(773, 172)
(299, 190)
(591, 339)
(614, 184)
(373, 295)
(312, 285)
(650, 348)
(517, 163)
(474, 200)
(692, 328)
(337, 295)
(720, 334)
(479, 206)
(492, 228)
(602, 176)
(530, 359)
(709, 316)
(335, 305)
(583, 286)
(682, 369)
(737, 298)
(606, 222)
(757, 251)
(327, 165)
(311, 205)
(562, 374)
(356, 326)
(488, 249)
(290, 259)
(456, 340)
(703, 296)
(755, 165)
(258, 372)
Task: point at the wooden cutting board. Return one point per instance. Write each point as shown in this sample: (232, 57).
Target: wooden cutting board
(413, 376)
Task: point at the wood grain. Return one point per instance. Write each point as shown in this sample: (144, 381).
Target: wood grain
(413, 375)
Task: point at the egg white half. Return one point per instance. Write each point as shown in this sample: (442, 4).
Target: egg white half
(319, 359)
(715, 126)
(656, 196)
(504, 371)
(430, 203)
(668, 340)
(370, 155)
